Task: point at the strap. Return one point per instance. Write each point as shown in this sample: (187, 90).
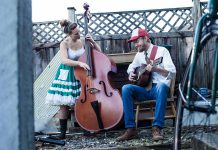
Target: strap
(153, 52)
(152, 55)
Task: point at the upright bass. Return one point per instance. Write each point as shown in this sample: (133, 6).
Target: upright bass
(99, 106)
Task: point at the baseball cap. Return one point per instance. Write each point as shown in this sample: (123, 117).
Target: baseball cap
(138, 32)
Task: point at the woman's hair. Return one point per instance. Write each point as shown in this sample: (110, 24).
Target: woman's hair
(67, 26)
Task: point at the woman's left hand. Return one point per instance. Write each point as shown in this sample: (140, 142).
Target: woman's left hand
(92, 42)
(89, 38)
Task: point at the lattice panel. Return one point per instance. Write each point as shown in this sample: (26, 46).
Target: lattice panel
(121, 23)
(165, 20)
(47, 32)
(203, 8)
(169, 20)
(113, 23)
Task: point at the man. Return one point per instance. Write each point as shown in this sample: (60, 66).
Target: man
(161, 76)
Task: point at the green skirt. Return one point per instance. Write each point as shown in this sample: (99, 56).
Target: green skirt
(65, 88)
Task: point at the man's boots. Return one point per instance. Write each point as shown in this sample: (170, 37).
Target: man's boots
(130, 133)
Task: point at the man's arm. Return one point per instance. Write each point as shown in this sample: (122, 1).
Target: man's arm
(160, 71)
(168, 70)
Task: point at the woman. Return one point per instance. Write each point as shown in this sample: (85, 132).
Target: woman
(65, 88)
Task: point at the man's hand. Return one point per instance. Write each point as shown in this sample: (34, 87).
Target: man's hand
(132, 76)
(149, 67)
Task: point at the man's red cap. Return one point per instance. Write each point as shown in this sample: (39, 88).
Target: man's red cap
(138, 32)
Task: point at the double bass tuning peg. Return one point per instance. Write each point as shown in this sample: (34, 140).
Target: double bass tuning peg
(87, 12)
(86, 6)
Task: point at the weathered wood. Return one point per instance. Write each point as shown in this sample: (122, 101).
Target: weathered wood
(205, 141)
(196, 12)
(16, 82)
(71, 14)
(121, 38)
(45, 45)
(120, 58)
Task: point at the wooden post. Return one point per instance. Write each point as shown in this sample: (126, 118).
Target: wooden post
(196, 17)
(16, 81)
(71, 14)
(196, 12)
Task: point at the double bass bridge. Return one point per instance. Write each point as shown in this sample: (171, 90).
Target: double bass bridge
(93, 90)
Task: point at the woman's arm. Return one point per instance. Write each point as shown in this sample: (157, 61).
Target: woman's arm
(66, 61)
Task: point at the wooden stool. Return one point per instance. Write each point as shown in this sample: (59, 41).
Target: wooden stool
(145, 110)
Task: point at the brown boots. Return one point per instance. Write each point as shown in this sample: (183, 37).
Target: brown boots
(130, 133)
(157, 133)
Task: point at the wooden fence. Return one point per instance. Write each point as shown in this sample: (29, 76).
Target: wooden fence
(113, 24)
(111, 30)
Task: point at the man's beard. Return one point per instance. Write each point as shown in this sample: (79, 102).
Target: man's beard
(142, 49)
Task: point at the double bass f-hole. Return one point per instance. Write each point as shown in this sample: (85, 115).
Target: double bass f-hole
(84, 89)
(105, 90)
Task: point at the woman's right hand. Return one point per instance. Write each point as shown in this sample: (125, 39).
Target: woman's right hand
(83, 65)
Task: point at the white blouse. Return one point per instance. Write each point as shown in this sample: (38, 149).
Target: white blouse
(75, 54)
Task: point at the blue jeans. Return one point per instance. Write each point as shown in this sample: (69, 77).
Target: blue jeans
(132, 92)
